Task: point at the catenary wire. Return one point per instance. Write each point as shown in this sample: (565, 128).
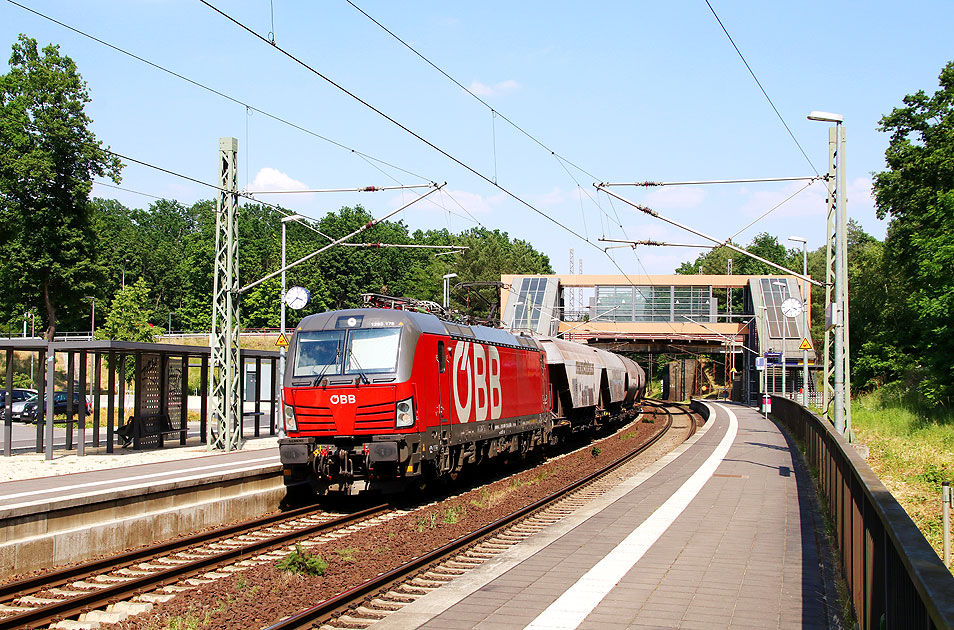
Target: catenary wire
(364, 156)
(759, 83)
(400, 125)
(461, 86)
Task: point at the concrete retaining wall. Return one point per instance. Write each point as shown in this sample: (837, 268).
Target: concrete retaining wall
(110, 523)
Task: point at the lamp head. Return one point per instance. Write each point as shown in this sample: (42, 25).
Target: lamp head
(797, 239)
(826, 117)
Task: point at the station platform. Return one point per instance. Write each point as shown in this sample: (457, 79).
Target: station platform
(723, 532)
(70, 508)
(71, 480)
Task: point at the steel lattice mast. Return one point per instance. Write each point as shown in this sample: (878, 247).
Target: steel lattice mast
(225, 339)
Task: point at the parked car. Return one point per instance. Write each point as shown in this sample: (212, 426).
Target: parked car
(31, 409)
(20, 398)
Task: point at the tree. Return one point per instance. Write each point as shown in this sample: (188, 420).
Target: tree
(917, 193)
(48, 158)
(127, 318)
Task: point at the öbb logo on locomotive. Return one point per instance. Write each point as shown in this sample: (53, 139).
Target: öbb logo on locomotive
(477, 370)
(381, 398)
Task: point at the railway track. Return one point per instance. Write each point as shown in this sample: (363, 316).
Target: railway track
(39, 601)
(374, 599)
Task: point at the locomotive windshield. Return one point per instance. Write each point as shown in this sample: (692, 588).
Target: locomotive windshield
(373, 350)
(356, 351)
(319, 352)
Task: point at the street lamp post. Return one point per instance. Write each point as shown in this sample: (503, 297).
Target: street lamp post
(447, 278)
(92, 317)
(804, 287)
(839, 304)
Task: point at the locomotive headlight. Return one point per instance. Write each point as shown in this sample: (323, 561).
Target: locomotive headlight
(404, 414)
(290, 423)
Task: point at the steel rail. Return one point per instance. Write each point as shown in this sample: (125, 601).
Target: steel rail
(343, 601)
(59, 577)
(48, 614)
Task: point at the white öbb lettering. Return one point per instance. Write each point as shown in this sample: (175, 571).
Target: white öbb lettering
(476, 369)
(343, 399)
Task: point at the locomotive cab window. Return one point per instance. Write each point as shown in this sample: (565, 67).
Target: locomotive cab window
(441, 359)
(319, 352)
(373, 350)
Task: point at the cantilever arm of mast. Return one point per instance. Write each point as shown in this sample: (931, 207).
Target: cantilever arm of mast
(364, 227)
(731, 246)
(811, 178)
(341, 190)
(633, 244)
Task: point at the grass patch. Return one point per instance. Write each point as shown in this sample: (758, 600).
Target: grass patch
(302, 562)
(912, 452)
(455, 514)
(595, 451)
(191, 620)
(627, 435)
(426, 521)
(347, 554)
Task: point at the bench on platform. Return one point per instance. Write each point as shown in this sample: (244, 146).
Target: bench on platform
(147, 431)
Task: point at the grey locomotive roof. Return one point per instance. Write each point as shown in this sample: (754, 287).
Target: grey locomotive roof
(422, 322)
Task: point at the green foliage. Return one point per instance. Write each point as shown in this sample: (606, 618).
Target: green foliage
(455, 514)
(48, 158)
(347, 554)
(128, 316)
(764, 245)
(917, 193)
(911, 443)
(302, 562)
(426, 521)
(595, 451)
(22, 379)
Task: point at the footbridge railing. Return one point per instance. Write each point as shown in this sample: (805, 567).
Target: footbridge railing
(895, 578)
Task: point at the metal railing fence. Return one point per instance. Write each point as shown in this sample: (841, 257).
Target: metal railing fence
(895, 577)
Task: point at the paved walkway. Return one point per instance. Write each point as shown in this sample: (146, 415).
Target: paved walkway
(721, 533)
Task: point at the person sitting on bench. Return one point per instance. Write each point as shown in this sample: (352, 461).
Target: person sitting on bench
(125, 432)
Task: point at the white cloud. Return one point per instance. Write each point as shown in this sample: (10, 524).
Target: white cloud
(451, 201)
(676, 197)
(551, 199)
(781, 203)
(272, 180)
(482, 89)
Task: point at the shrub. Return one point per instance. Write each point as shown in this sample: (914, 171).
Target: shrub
(302, 562)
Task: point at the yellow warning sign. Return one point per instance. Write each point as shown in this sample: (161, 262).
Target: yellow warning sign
(806, 344)
(282, 342)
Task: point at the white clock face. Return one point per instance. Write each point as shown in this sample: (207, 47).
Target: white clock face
(791, 307)
(297, 297)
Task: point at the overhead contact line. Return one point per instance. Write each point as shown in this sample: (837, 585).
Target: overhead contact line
(219, 93)
(400, 125)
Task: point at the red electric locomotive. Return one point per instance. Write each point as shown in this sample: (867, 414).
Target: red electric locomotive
(390, 397)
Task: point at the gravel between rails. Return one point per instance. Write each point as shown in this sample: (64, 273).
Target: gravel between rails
(262, 594)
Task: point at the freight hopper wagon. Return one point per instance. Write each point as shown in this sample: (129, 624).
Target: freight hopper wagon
(392, 397)
(589, 386)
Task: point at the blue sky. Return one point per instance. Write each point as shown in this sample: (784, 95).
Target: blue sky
(625, 91)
